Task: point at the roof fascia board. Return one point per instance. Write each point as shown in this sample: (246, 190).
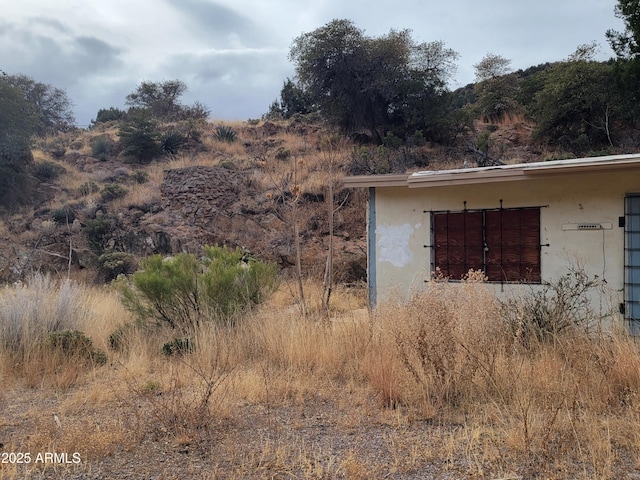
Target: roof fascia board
(376, 181)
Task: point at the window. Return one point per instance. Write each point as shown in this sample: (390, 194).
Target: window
(504, 243)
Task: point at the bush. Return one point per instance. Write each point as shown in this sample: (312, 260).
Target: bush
(559, 306)
(112, 191)
(225, 133)
(447, 339)
(30, 311)
(140, 176)
(101, 147)
(119, 338)
(184, 292)
(178, 346)
(97, 230)
(283, 154)
(47, 170)
(63, 216)
(140, 138)
(112, 264)
(74, 345)
(88, 188)
(58, 147)
(111, 114)
(171, 143)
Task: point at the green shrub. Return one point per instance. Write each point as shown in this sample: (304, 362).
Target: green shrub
(178, 346)
(228, 164)
(225, 133)
(140, 176)
(120, 337)
(101, 147)
(97, 231)
(112, 264)
(88, 188)
(46, 171)
(171, 142)
(151, 387)
(63, 215)
(58, 147)
(184, 292)
(109, 115)
(140, 138)
(112, 191)
(73, 344)
(283, 154)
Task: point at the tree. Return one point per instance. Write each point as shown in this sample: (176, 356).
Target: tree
(110, 114)
(585, 52)
(491, 66)
(626, 45)
(293, 100)
(51, 105)
(17, 121)
(140, 137)
(360, 82)
(162, 101)
(496, 89)
(574, 104)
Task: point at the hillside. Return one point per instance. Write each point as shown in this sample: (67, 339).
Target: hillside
(96, 213)
(450, 385)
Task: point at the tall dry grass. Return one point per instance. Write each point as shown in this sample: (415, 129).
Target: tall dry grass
(446, 357)
(572, 399)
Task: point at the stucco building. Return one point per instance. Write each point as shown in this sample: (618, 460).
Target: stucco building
(521, 224)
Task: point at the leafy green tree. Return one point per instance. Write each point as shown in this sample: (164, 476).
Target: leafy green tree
(51, 105)
(18, 118)
(496, 88)
(378, 84)
(293, 100)
(140, 137)
(162, 101)
(626, 45)
(110, 114)
(491, 66)
(575, 104)
(184, 292)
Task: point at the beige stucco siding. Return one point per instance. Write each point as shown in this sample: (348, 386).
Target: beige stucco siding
(403, 231)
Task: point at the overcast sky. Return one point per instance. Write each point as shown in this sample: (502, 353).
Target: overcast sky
(232, 54)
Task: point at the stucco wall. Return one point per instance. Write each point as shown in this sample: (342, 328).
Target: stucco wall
(402, 256)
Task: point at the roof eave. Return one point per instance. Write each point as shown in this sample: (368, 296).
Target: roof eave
(392, 180)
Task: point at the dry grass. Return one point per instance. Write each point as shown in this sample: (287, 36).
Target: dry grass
(434, 387)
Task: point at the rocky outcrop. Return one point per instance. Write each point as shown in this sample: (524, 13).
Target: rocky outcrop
(214, 205)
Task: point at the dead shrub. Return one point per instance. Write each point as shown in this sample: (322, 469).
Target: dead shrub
(447, 340)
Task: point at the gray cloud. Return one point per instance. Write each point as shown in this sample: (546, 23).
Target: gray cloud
(61, 60)
(233, 83)
(218, 23)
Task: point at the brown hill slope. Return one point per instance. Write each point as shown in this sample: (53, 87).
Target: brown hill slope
(103, 213)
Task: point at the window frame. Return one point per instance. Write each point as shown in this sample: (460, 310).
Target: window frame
(473, 236)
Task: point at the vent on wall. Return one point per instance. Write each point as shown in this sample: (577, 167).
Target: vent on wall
(587, 226)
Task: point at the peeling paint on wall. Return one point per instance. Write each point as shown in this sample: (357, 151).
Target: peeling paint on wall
(393, 244)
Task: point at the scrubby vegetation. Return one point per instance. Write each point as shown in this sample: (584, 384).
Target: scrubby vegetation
(185, 292)
(441, 384)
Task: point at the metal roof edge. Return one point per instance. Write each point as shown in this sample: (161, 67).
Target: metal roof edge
(388, 180)
(500, 173)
